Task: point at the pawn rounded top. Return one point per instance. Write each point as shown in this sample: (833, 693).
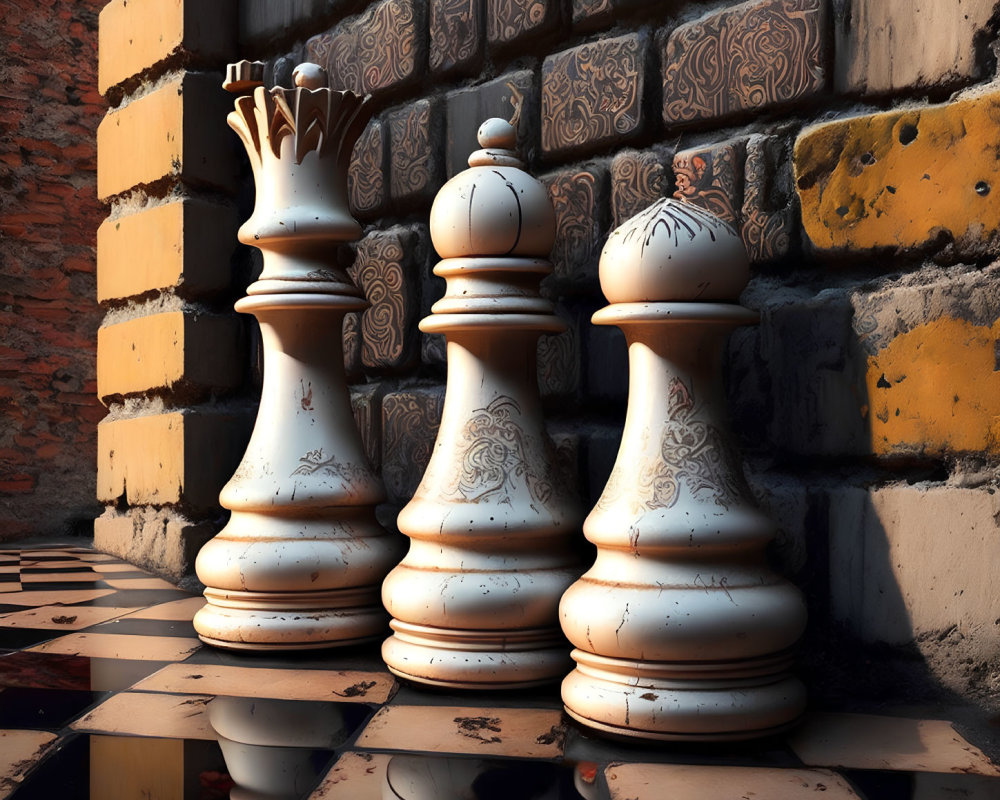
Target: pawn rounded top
(494, 208)
(674, 252)
(310, 76)
(497, 133)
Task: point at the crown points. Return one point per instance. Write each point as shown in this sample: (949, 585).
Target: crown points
(310, 76)
(242, 77)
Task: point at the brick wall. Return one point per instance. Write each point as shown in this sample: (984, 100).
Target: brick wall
(867, 401)
(49, 111)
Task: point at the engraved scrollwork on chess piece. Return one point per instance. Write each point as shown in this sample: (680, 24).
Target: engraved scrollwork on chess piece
(474, 603)
(300, 563)
(681, 630)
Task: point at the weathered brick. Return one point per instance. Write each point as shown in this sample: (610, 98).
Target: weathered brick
(366, 404)
(185, 244)
(712, 177)
(908, 371)
(888, 45)
(160, 540)
(367, 172)
(898, 572)
(456, 32)
(606, 364)
(593, 94)
(385, 266)
(171, 350)
(380, 50)
(638, 179)
(600, 445)
(137, 35)
(580, 198)
(415, 160)
(519, 21)
(770, 205)
(725, 63)
(410, 422)
(178, 457)
(513, 96)
(902, 179)
(163, 135)
(352, 345)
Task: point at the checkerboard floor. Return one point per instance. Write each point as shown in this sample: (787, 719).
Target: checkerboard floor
(106, 693)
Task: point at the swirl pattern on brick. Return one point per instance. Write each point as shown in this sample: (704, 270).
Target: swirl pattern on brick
(509, 20)
(756, 55)
(454, 27)
(411, 172)
(574, 197)
(387, 44)
(637, 180)
(710, 178)
(592, 94)
(367, 181)
(409, 429)
(387, 323)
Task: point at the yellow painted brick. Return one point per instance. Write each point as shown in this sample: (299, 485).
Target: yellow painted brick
(179, 457)
(167, 133)
(184, 245)
(138, 34)
(899, 179)
(936, 389)
(161, 350)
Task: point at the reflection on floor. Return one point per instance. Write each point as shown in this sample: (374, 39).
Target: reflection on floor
(107, 694)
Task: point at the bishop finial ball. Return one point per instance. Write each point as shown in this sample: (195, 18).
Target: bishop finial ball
(497, 133)
(310, 76)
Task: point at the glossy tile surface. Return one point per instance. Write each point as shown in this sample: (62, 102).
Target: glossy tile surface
(105, 694)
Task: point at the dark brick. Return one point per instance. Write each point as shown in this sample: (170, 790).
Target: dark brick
(592, 95)
(589, 14)
(367, 172)
(337, 50)
(600, 449)
(380, 50)
(606, 364)
(384, 269)
(712, 177)
(433, 349)
(366, 404)
(410, 423)
(352, 345)
(415, 163)
(456, 33)
(726, 62)
(513, 96)
(559, 363)
(518, 21)
(263, 21)
(638, 178)
(580, 198)
(770, 203)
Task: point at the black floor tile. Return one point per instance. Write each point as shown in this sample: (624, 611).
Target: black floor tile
(46, 709)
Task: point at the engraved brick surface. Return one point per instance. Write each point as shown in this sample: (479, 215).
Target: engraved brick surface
(200, 353)
(728, 61)
(888, 45)
(517, 21)
(415, 162)
(410, 422)
(337, 50)
(186, 246)
(263, 21)
(712, 177)
(367, 172)
(580, 200)
(196, 452)
(379, 50)
(456, 33)
(593, 94)
(559, 363)
(902, 179)
(513, 97)
(770, 206)
(352, 345)
(589, 14)
(638, 178)
(148, 140)
(383, 269)
(366, 404)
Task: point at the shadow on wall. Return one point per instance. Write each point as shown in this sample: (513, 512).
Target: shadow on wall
(894, 557)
